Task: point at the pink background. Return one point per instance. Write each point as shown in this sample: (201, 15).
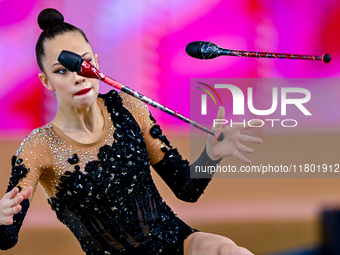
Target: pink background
(142, 44)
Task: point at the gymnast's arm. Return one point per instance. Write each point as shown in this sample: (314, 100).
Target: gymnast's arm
(181, 177)
(170, 165)
(175, 172)
(26, 171)
(13, 209)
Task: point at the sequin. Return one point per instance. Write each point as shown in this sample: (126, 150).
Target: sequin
(74, 159)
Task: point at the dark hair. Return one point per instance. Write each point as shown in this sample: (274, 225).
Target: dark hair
(52, 23)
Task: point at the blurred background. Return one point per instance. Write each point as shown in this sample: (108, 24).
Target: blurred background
(142, 44)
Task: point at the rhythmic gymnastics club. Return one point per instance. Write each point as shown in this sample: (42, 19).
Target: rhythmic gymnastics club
(209, 50)
(83, 67)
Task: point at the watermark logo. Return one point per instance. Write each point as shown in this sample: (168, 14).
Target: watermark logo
(297, 97)
(204, 97)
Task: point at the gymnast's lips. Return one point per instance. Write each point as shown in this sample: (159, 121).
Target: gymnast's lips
(82, 92)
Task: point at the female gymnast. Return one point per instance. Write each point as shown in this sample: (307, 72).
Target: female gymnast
(93, 162)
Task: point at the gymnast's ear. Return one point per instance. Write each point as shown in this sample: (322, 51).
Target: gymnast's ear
(45, 81)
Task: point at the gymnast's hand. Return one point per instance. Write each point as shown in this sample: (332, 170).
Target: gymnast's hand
(232, 142)
(10, 204)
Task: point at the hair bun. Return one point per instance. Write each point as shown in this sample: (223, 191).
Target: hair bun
(49, 17)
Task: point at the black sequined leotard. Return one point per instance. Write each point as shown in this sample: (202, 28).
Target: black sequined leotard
(104, 191)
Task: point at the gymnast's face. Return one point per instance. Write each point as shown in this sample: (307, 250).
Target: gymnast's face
(70, 89)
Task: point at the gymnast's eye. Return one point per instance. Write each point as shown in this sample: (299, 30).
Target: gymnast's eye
(62, 70)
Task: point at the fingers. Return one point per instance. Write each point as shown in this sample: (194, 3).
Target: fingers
(14, 201)
(220, 115)
(21, 196)
(12, 210)
(255, 123)
(12, 198)
(242, 147)
(7, 221)
(250, 124)
(240, 251)
(242, 158)
(16, 209)
(250, 139)
(27, 193)
(11, 201)
(10, 204)
(12, 193)
(7, 214)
